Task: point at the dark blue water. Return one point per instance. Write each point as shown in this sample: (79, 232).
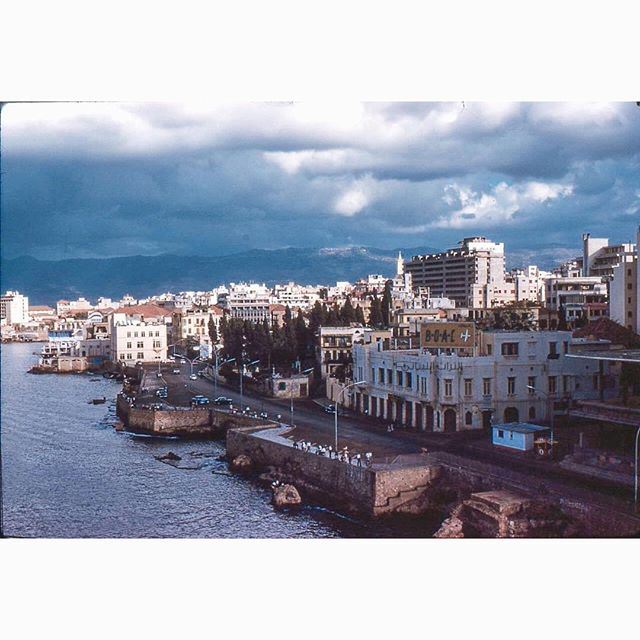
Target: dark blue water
(67, 473)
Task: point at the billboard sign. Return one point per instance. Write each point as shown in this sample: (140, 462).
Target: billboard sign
(447, 335)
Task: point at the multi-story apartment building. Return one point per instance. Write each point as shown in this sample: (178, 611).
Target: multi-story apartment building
(624, 301)
(573, 295)
(194, 323)
(529, 284)
(473, 275)
(14, 308)
(336, 343)
(516, 376)
(134, 340)
(599, 258)
(295, 296)
(247, 301)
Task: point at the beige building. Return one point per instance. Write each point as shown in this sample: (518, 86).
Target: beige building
(194, 323)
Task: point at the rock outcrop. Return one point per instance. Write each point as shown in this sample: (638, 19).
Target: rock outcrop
(241, 464)
(286, 495)
(505, 514)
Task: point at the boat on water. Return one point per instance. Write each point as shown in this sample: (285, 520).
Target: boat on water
(97, 400)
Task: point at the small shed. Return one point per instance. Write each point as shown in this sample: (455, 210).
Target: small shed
(517, 435)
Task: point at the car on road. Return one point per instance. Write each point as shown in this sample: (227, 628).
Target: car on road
(331, 408)
(223, 400)
(159, 374)
(193, 376)
(176, 371)
(196, 400)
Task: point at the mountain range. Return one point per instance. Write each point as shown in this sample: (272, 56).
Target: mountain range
(46, 281)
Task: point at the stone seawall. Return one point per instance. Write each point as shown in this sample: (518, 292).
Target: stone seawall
(196, 422)
(372, 491)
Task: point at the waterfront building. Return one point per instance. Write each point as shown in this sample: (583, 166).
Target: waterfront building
(42, 313)
(473, 275)
(14, 308)
(140, 336)
(513, 376)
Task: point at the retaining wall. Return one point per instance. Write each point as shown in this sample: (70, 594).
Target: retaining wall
(372, 491)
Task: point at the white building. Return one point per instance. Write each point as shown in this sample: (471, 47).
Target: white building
(573, 295)
(135, 340)
(514, 378)
(14, 308)
(247, 301)
(295, 296)
(624, 302)
(529, 284)
(194, 323)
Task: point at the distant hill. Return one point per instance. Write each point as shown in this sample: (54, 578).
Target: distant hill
(46, 281)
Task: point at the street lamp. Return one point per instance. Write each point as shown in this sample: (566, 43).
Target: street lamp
(291, 391)
(550, 403)
(635, 486)
(241, 369)
(217, 366)
(335, 408)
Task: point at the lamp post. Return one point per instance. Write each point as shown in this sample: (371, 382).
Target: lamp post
(291, 392)
(550, 403)
(635, 486)
(353, 384)
(241, 370)
(215, 373)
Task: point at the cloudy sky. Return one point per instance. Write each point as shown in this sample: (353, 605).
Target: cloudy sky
(83, 180)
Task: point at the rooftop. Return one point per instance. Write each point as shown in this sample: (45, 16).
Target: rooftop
(520, 427)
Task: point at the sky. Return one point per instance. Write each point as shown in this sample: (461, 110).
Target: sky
(116, 179)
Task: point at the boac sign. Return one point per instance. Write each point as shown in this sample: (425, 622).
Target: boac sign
(447, 335)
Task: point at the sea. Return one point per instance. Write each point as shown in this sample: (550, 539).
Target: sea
(66, 473)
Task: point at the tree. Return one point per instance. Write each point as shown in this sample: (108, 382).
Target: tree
(360, 315)
(375, 315)
(347, 313)
(213, 332)
(386, 303)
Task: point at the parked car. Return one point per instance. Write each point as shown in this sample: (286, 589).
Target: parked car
(193, 376)
(223, 400)
(332, 409)
(196, 400)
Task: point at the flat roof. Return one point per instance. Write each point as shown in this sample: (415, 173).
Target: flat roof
(520, 427)
(623, 355)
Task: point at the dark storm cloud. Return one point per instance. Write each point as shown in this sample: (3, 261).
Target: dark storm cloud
(83, 180)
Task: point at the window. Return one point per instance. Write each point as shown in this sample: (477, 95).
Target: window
(381, 376)
(142, 335)
(389, 376)
(122, 356)
(489, 349)
(552, 384)
(128, 345)
(408, 382)
(135, 334)
(157, 334)
(553, 349)
(282, 386)
(399, 378)
(129, 356)
(140, 355)
(509, 348)
(156, 344)
(486, 386)
(468, 386)
(468, 418)
(448, 387)
(511, 386)
(500, 433)
(423, 386)
(140, 344)
(128, 334)
(566, 383)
